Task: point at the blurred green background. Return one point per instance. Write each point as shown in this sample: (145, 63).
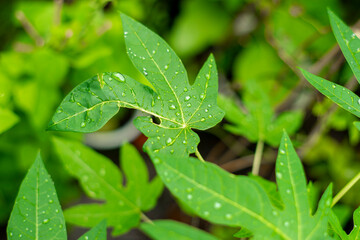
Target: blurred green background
(48, 47)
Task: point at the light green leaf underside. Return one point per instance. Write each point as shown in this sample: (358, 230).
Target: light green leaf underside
(167, 229)
(209, 196)
(178, 105)
(37, 213)
(337, 93)
(348, 42)
(96, 233)
(102, 180)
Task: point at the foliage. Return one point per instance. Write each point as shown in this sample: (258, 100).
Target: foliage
(257, 45)
(37, 213)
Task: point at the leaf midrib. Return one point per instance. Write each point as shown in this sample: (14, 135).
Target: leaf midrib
(229, 201)
(161, 72)
(115, 101)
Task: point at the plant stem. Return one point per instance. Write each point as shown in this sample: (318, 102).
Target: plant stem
(146, 219)
(198, 155)
(345, 189)
(257, 157)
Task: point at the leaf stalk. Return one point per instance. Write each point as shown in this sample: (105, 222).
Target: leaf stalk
(345, 189)
(257, 157)
(198, 155)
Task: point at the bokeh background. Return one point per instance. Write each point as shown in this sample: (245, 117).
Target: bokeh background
(48, 47)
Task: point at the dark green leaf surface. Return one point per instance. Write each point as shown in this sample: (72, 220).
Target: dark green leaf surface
(348, 42)
(37, 213)
(96, 233)
(178, 105)
(102, 180)
(337, 93)
(167, 229)
(204, 188)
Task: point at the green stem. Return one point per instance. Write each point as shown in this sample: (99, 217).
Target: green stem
(198, 155)
(257, 157)
(345, 189)
(146, 219)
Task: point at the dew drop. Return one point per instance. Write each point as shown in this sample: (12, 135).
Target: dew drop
(333, 86)
(359, 101)
(207, 76)
(177, 114)
(61, 226)
(166, 67)
(188, 105)
(20, 235)
(282, 151)
(120, 77)
(184, 142)
(23, 197)
(275, 213)
(217, 205)
(51, 201)
(288, 191)
(189, 190)
(279, 175)
(228, 216)
(168, 141)
(185, 89)
(86, 238)
(59, 110)
(83, 124)
(46, 220)
(123, 94)
(187, 98)
(353, 36)
(206, 213)
(206, 110)
(57, 210)
(202, 96)
(172, 107)
(328, 202)
(210, 116)
(202, 119)
(286, 224)
(281, 164)
(172, 151)
(189, 196)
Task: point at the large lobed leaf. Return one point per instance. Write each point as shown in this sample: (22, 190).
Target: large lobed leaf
(204, 187)
(102, 180)
(37, 213)
(178, 105)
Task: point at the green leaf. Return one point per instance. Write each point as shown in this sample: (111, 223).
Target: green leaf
(204, 188)
(96, 233)
(178, 105)
(138, 188)
(336, 226)
(348, 42)
(102, 180)
(37, 213)
(259, 122)
(243, 233)
(337, 93)
(167, 229)
(7, 119)
(357, 125)
(355, 233)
